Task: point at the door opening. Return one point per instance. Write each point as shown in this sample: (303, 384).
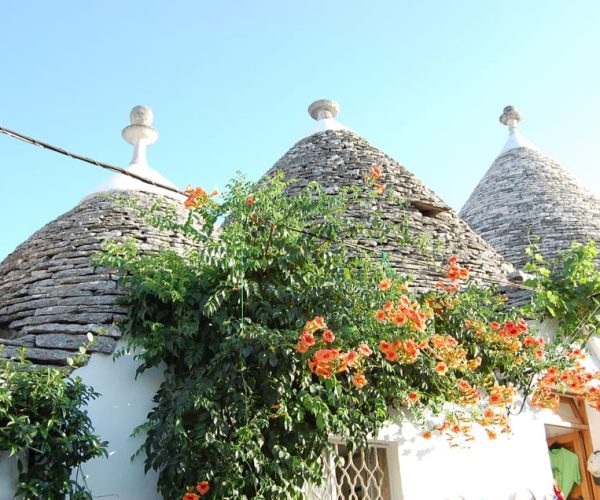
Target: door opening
(570, 432)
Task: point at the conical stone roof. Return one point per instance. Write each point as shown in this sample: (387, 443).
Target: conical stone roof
(337, 157)
(526, 194)
(51, 295)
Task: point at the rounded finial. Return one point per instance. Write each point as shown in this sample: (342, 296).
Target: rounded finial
(141, 115)
(323, 108)
(510, 117)
(140, 133)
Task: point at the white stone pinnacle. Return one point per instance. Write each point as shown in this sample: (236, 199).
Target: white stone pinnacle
(140, 133)
(324, 112)
(511, 118)
(323, 109)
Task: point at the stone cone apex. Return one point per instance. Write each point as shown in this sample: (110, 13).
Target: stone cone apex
(340, 157)
(526, 194)
(140, 134)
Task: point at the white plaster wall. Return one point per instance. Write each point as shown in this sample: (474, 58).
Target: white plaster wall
(124, 404)
(594, 424)
(486, 470)
(8, 475)
(592, 362)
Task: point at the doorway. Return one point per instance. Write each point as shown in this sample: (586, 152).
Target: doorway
(569, 430)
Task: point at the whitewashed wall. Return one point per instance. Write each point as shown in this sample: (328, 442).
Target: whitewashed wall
(594, 423)
(420, 469)
(8, 475)
(485, 470)
(124, 404)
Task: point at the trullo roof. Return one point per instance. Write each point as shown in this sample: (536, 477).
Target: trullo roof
(336, 156)
(526, 194)
(51, 295)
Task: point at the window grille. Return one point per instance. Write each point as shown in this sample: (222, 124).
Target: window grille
(362, 475)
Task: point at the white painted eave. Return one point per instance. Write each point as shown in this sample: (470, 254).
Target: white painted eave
(516, 140)
(324, 112)
(327, 124)
(123, 183)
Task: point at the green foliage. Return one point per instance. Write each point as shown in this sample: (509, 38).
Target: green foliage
(43, 422)
(238, 406)
(568, 290)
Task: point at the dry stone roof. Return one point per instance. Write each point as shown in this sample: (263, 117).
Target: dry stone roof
(51, 295)
(525, 194)
(337, 158)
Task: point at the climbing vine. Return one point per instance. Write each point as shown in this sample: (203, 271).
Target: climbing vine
(276, 335)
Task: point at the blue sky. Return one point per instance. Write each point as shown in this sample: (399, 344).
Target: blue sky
(230, 81)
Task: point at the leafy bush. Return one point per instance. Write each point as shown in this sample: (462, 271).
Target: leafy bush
(568, 290)
(44, 423)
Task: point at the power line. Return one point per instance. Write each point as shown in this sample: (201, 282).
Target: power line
(120, 170)
(75, 156)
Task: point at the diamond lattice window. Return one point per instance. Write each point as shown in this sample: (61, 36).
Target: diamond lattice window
(362, 475)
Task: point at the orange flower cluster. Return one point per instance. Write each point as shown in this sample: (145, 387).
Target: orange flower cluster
(450, 355)
(307, 338)
(359, 380)
(385, 284)
(374, 176)
(545, 397)
(202, 488)
(197, 197)
(460, 427)
(469, 396)
(404, 312)
(501, 395)
(375, 173)
(494, 417)
(575, 379)
(455, 274)
(413, 397)
(326, 362)
(454, 427)
(512, 329)
(401, 351)
(472, 398)
(512, 338)
(443, 303)
(592, 396)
